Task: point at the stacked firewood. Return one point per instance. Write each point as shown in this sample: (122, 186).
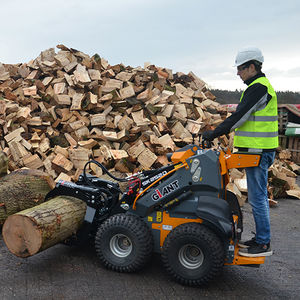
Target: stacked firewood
(63, 108)
(282, 180)
(283, 177)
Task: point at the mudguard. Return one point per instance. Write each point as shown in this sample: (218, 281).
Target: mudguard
(216, 212)
(236, 210)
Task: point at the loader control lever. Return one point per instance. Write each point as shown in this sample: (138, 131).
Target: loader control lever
(206, 144)
(169, 155)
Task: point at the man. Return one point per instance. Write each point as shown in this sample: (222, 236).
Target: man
(256, 130)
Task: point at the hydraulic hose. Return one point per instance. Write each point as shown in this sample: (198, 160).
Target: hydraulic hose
(103, 169)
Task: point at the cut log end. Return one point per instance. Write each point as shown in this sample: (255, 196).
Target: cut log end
(21, 235)
(38, 228)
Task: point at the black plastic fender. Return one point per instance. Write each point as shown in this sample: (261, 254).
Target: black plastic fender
(217, 213)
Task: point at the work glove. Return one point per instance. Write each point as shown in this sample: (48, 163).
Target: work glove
(208, 135)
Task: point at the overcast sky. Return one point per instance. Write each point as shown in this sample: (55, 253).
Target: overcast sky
(191, 35)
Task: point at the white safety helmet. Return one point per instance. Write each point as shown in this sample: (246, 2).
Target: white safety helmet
(247, 54)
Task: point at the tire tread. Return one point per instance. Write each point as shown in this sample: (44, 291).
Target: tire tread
(192, 230)
(138, 228)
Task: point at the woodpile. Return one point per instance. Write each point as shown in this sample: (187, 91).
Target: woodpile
(238, 185)
(282, 178)
(61, 109)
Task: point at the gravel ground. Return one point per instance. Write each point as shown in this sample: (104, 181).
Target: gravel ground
(63, 272)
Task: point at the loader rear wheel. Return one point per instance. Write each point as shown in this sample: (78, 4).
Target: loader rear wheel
(192, 254)
(124, 243)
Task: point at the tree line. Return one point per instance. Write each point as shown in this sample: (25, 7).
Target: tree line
(233, 97)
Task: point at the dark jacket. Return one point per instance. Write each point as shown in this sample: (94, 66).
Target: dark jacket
(251, 97)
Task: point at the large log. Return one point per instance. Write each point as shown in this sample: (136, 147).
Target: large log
(35, 229)
(3, 164)
(22, 189)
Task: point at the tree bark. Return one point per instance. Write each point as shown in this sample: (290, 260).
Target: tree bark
(3, 164)
(23, 189)
(35, 229)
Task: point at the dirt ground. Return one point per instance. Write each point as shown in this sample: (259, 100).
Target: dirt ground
(64, 272)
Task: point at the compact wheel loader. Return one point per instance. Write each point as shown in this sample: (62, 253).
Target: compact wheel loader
(181, 211)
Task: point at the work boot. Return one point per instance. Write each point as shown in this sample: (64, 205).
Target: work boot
(257, 250)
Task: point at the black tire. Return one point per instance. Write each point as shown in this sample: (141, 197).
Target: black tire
(124, 243)
(193, 254)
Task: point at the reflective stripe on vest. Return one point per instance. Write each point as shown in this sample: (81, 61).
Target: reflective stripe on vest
(257, 134)
(261, 128)
(263, 118)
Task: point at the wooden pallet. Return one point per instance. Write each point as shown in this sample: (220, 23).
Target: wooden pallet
(294, 148)
(283, 141)
(282, 119)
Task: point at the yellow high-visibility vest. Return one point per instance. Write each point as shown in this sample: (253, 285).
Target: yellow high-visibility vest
(260, 131)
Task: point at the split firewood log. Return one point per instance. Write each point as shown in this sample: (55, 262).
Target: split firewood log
(35, 229)
(22, 189)
(294, 193)
(3, 164)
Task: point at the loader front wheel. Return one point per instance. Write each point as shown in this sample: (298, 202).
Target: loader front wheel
(124, 243)
(193, 254)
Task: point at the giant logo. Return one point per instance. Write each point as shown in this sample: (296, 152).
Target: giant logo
(166, 190)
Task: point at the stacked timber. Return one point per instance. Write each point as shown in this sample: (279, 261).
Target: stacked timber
(282, 178)
(61, 109)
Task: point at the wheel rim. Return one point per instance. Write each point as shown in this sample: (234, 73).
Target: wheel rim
(120, 245)
(191, 256)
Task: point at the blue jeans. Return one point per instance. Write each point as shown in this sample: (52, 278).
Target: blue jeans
(257, 182)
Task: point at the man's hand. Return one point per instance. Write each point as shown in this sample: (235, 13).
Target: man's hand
(208, 135)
